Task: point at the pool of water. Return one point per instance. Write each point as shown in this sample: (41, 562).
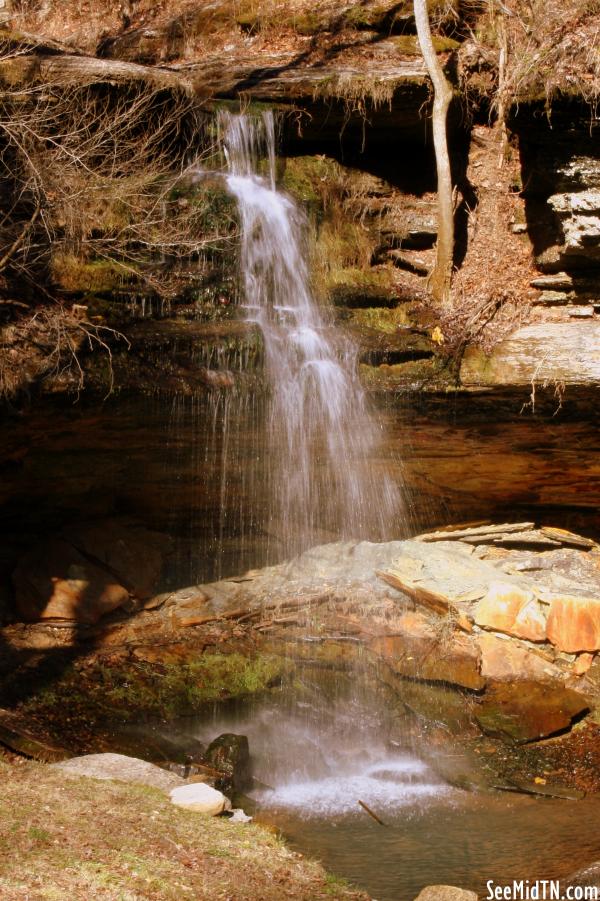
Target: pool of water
(431, 837)
(317, 760)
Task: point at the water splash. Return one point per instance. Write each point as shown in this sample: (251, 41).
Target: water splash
(321, 439)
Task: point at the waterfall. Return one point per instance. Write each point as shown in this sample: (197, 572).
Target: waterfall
(321, 441)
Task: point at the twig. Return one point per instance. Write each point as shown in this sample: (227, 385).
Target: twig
(19, 240)
(371, 814)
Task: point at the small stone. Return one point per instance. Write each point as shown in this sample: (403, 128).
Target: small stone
(201, 798)
(581, 312)
(519, 228)
(238, 816)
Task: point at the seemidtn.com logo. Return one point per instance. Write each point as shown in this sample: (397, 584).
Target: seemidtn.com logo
(540, 890)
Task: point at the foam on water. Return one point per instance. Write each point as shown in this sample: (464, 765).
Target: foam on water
(386, 786)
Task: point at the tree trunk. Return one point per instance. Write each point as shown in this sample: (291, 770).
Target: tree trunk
(439, 283)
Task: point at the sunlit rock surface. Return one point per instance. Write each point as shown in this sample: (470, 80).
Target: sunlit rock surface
(121, 768)
(442, 618)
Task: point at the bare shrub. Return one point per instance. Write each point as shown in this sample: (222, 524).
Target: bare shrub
(99, 174)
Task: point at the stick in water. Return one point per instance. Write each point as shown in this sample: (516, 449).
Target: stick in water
(371, 814)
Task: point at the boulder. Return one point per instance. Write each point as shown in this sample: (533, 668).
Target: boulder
(582, 664)
(201, 798)
(545, 352)
(510, 608)
(445, 893)
(526, 711)
(120, 768)
(230, 755)
(55, 581)
(574, 623)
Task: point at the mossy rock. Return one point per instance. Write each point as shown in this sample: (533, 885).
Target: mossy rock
(308, 178)
(77, 276)
(386, 320)
(311, 23)
(387, 16)
(408, 44)
(431, 372)
(354, 287)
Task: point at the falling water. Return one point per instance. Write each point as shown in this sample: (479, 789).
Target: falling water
(321, 440)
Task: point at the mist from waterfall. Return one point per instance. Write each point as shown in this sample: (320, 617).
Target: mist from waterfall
(321, 440)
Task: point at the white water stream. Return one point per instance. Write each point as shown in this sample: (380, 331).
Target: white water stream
(321, 438)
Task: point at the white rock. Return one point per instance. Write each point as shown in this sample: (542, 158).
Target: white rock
(200, 797)
(239, 816)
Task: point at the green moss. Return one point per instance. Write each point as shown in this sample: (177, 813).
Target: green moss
(382, 319)
(345, 285)
(365, 17)
(408, 44)
(309, 178)
(310, 23)
(405, 375)
(166, 690)
(90, 276)
(383, 16)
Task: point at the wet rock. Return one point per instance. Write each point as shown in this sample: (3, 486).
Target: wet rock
(524, 711)
(416, 652)
(230, 755)
(588, 876)
(526, 696)
(445, 893)
(574, 623)
(16, 734)
(120, 768)
(544, 789)
(503, 660)
(55, 581)
(512, 609)
(201, 798)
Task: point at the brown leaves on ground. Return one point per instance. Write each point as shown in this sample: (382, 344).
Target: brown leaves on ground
(490, 292)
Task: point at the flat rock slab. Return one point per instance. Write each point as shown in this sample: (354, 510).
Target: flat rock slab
(547, 353)
(120, 768)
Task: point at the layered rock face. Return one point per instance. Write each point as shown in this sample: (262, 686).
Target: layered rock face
(489, 628)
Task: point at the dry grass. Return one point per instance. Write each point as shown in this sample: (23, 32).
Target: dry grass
(82, 839)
